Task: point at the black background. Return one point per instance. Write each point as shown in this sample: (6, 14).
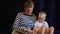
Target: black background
(9, 9)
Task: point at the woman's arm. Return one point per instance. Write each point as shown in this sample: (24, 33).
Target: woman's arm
(18, 22)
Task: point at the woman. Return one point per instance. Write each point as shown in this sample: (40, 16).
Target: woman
(24, 21)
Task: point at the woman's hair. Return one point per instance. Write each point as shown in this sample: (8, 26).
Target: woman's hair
(29, 3)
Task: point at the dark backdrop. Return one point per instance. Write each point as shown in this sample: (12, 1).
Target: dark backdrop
(9, 9)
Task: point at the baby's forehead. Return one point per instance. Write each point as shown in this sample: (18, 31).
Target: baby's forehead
(42, 14)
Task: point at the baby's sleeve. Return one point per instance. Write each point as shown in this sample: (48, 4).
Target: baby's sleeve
(36, 24)
(46, 24)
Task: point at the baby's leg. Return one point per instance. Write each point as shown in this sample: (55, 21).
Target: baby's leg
(42, 30)
(50, 30)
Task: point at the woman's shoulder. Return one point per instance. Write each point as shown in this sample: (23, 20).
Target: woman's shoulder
(20, 14)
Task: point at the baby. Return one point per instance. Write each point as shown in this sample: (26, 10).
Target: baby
(41, 26)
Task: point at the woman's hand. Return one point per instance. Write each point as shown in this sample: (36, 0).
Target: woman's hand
(30, 31)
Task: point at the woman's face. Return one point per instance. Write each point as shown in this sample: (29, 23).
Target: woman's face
(29, 9)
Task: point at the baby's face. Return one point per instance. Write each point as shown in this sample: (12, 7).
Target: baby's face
(41, 17)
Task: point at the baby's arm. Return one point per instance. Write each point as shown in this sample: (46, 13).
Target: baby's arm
(34, 30)
(35, 27)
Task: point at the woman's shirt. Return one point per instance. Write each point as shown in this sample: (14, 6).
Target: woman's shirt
(23, 22)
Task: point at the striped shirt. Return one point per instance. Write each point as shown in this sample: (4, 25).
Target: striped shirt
(23, 22)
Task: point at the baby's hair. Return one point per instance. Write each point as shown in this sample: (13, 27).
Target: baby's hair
(42, 12)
